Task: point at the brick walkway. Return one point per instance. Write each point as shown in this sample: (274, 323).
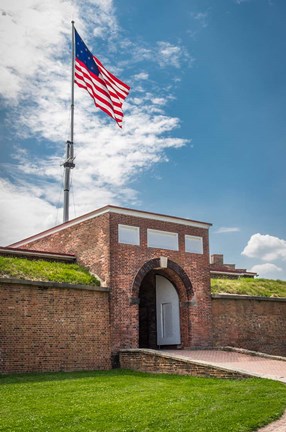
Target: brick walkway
(256, 366)
(277, 426)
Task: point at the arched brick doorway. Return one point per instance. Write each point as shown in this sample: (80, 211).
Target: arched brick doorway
(144, 289)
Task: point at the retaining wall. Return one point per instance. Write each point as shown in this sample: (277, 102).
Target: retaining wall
(53, 327)
(253, 323)
(145, 360)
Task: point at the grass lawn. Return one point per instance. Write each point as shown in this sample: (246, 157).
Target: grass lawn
(128, 401)
(249, 286)
(41, 270)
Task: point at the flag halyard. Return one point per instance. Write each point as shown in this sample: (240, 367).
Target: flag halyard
(107, 91)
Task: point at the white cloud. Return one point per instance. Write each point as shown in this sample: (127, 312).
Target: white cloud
(223, 230)
(201, 17)
(265, 247)
(141, 76)
(105, 20)
(120, 153)
(238, 2)
(270, 2)
(163, 53)
(35, 81)
(169, 54)
(267, 270)
(30, 33)
(34, 34)
(159, 101)
(21, 208)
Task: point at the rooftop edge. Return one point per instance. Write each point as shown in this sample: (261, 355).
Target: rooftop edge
(112, 209)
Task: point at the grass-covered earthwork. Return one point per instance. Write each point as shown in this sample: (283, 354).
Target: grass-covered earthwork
(249, 286)
(41, 270)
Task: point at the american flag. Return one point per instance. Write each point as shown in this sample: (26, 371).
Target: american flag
(107, 91)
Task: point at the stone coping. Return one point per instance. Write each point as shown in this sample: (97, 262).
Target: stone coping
(187, 360)
(246, 297)
(44, 284)
(35, 254)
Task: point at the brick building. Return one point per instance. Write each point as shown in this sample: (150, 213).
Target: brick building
(218, 269)
(156, 267)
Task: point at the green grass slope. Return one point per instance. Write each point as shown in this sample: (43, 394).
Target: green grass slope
(41, 270)
(249, 286)
(125, 401)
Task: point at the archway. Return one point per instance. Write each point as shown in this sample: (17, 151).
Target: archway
(167, 313)
(164, 297)
(147, 312)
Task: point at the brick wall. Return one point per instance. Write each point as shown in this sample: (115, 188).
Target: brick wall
(127, 260)
(148, 361)
(47, 328)
(88, 240)
(95, 244)
(256, 324)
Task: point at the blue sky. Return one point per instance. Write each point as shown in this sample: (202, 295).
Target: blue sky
(204, 132)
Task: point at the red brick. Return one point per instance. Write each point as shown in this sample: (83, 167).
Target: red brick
(95, 244)
(53, 329)
(257, 325)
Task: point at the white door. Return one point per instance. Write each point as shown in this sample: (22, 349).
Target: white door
(168, 313)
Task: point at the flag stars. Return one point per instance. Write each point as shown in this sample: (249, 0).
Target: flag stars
(88, 75)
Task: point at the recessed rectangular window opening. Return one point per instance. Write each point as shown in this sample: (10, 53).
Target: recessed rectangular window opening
(162, 239)
(129, 235)
(194, 244)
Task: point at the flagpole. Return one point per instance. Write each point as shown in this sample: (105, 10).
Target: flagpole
(69, 162)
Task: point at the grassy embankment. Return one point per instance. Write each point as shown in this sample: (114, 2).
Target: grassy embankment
(127, 401)
(248, 286)
(41, 270)
(22, 268)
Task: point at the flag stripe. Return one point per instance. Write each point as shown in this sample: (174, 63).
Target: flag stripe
(101, 101)
(113, 83)
(87, 77)
(120, 91)
(107, 91)
(113, 77)
(94, 84)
